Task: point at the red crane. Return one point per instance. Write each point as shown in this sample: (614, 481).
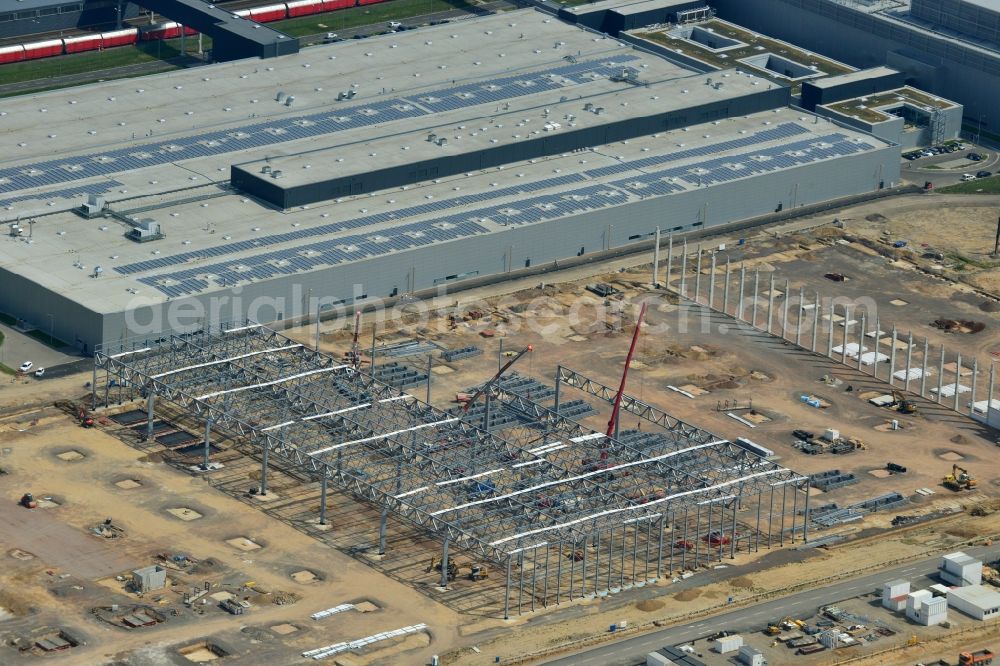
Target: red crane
(628, 361)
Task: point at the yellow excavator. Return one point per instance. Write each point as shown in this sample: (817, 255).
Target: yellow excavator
(902, 404)
(959, 479)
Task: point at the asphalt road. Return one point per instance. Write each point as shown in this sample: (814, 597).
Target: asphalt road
(753, 618)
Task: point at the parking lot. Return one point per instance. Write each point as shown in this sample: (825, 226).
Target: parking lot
(949, 163)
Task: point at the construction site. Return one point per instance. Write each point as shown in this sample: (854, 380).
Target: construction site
(518, 454)
(678, 357)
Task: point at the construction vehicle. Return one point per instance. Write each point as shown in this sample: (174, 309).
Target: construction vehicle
(478, 572)
(435, 565)
(791, 623)
(28, 501)
(772, 630)
(959, 479)
(902, 404)
(977, 658)
(716, 538)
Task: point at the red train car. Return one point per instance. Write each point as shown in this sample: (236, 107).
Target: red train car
(82, 43)
(119, 37)
(304, 7)
(333, 5)
(50, 47)
(269, 13)
(11, 53)
(369, 2)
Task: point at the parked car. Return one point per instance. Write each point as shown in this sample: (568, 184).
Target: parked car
(983, 174)
(967, 177)
(331, 37)
(836, 277)
(394, 24)
(27, 365)
(40, 372)
(975, 157)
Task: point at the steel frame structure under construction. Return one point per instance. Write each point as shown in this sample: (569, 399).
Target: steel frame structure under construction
(566, 512)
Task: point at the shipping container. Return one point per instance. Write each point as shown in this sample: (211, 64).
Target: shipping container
(119, 37)
(50, 47)
(333, 5)
(268, 13)
(304, 7)
(11, 53)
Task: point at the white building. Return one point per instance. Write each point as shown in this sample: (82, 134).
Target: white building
(751, 657)
(928, 610)
(894, 594)
(727, 644)
(960, 569)
(976, 601)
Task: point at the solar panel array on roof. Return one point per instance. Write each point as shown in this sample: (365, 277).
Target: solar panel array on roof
(785, 130)
(102, 187)
(280, 130)
(525, 211)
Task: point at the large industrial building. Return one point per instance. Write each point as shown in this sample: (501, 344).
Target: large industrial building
(947, 47)
(252, 189)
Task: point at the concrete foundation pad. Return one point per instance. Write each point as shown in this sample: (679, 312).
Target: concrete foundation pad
(284, 629)
(951, 456)
(184, 513)
(880, 473)
(70, 456)
(898, 302)
(441, 370)
(269, 497)
(243, 543)
(365, 607)
(304, 577)
(128, 484)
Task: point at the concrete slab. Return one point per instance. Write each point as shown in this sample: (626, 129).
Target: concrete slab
(18, 347)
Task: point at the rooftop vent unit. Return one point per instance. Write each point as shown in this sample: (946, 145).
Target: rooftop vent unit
(266, 168)
(442, 141)
(289, 100)
(15, 229)
(280, 96)
(98, 271)
(145, 230)
(93, 207)
(276, 173)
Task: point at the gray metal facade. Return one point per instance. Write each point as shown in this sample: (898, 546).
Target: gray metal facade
(976, 19)
(264, 187)
(529, 245)
(935, 63)
(24, 18)
(829, 91)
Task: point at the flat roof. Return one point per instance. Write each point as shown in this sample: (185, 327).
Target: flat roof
(751, 44)
(357, 152)
(647, 5)
(984, 597)
(216, 240)
(851, 77)
(874, 108)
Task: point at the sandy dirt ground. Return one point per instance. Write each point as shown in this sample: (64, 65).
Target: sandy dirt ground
(60, 570)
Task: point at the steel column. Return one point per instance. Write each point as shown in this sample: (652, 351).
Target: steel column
(815, 322)
(923, 369)
(940, 375)
(506, 596)
(958, 378)
(892, 355)
(684, 258)
(444, 562)
(711, 284)
(798, 317)
(697, 277)
(753, 306)
(322, 497)
(909, 361)
(656, 258)
(784, 313)
(208, 442)
(770, 304)
(725, 291)
(150, 400)
(263, 468)
(382, 525)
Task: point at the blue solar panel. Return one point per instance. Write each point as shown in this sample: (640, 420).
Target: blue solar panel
(525, 210)
(280, 130)
(102, 187)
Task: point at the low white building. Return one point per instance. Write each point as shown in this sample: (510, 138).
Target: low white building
(894, 594)
(981, 603)
(960, 569)
(751, 657)
(727, 644)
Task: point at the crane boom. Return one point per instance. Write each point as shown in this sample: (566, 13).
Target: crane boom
(628, 362)
(485, 387)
